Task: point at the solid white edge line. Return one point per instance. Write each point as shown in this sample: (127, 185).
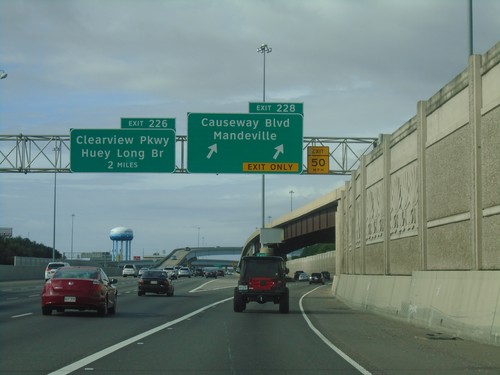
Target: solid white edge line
(348, 359)
(94, 357)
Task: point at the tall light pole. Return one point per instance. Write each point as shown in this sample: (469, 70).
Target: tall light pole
(57, 149)
(291, 200)
(72, 226)
(264, 49)
(198, 236)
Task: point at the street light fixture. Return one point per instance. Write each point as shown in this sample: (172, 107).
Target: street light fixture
(264, 49)
(3, 74)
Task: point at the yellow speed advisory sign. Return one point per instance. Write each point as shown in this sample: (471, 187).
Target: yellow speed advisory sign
(318, 160)
(271, 167)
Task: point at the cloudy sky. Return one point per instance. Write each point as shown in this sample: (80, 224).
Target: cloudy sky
(358, 66)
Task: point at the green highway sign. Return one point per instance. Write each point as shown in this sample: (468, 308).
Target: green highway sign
(147, 123)
(122, 150)
(269, 107)
(244, 143)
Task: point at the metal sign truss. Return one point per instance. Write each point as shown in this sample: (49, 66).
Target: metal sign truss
(51, 153)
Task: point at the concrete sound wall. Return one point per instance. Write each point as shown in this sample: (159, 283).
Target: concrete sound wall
(425, 203)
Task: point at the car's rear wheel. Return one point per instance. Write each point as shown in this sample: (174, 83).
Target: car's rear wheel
(238, 302)
(140, 293)
(112, 310)
(103, 310)
(285, 303)
(46, 311)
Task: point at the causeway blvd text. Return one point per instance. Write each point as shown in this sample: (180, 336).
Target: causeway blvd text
(242, 123)
(249, 124)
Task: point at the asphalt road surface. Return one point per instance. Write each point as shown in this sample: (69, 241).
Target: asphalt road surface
(197, 332)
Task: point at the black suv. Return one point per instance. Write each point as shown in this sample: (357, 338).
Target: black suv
(262, 279)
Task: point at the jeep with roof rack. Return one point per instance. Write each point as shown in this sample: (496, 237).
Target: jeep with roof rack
(262, 279)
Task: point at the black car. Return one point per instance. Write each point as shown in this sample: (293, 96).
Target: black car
(198, 272)
(262, 279)
(326, 275)
(316, 278)
(211, 273)
(155, 281)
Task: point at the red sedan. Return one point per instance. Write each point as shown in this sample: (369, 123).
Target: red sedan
(80, 288)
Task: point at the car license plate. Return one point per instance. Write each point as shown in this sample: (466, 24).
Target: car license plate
(69, 299)
(154, 282)
(242, 287)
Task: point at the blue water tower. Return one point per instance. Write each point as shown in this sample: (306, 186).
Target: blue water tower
(121, 236)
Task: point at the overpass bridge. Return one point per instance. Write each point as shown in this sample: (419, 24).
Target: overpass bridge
(308, 225)
(197, 257)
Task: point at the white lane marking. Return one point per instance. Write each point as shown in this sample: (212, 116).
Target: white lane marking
(21, 315)
(94, 357)
(348, 359)
(200, 288)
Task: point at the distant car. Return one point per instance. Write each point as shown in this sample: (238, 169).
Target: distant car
(198, 272)
(79, 288)
(303, 277)
(172, 272)
(155, 281)
(130, 270)
(220, 273)
(296, 275)
(326, 275)
(184, 272)
(211, 273)
(52, 267)
(316, 278)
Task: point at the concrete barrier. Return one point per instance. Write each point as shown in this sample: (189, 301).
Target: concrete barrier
(457, 303)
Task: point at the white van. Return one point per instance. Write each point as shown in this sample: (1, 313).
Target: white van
(52, 267)
(129, 270)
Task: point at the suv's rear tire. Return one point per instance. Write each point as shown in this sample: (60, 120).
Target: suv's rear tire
(238, 303)
(285, 303)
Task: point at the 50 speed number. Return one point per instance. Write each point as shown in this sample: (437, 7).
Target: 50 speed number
(318, 160)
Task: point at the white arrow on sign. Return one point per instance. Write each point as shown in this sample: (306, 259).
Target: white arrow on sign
(279, 150)
(213, 149)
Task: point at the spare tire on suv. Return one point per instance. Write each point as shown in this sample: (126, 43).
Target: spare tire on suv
(262, 279)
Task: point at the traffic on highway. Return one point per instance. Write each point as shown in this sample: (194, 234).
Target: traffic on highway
(196, 331)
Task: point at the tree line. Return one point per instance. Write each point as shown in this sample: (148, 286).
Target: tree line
(23, 247)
